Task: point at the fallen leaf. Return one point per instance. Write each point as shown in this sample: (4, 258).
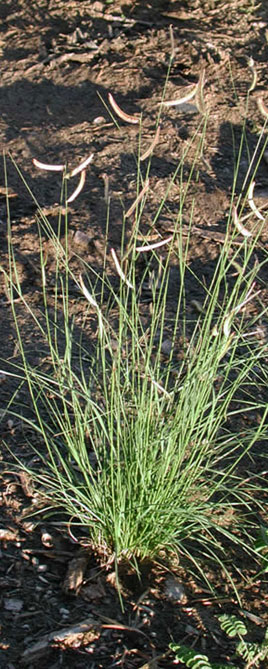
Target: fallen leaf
(75, 573)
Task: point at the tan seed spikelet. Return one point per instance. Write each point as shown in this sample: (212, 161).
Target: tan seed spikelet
(119, 270)
(81, 167)
(138, 199)
(239, 225)
(181, 101)
(125, 117)
(200, 103)
(47, 166)
(251, 65)
(93, 303)
(156, 245)
(150, 149)
(252, 203)
(87, 294)
(79, 187)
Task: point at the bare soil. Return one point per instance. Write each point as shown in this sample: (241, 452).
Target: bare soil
(59, 61)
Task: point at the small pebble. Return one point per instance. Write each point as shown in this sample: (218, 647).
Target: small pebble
(64, 612)
(99, 120)
(42, 568)
(81, 238)
(174, 590)
(166, 347)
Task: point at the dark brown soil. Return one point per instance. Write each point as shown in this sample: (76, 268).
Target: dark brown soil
(60, 59)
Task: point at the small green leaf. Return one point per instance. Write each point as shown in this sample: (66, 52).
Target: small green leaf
(199, 662)
(194, 660)
(261, 547)
(189, 657)
(251, 652)
(232, 626)
(262, 540)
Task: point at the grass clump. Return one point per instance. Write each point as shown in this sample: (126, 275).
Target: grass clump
(139, 448)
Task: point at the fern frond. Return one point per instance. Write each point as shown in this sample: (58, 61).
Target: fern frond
(190, 658)
(251, 652)
(194, 660)
(232, 626)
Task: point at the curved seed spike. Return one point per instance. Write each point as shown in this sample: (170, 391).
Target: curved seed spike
(180, 101)
(172, 42)
(47, 166)
(81, 167)
(125, 117)
(160, 388)
(252, 203)
(79, 187)
(151, 247)
(87, 294)
(227, 325)
(200, 102)
(138, 199)
(251, 65)
(247, 299)
(239, 225)
(93, 303)
(119, 270)
(150, 149)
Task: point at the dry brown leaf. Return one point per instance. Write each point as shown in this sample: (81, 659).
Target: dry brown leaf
(26, 483)
(75, 573)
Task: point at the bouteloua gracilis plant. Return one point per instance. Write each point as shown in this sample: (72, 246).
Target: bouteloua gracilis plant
(140, 450)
